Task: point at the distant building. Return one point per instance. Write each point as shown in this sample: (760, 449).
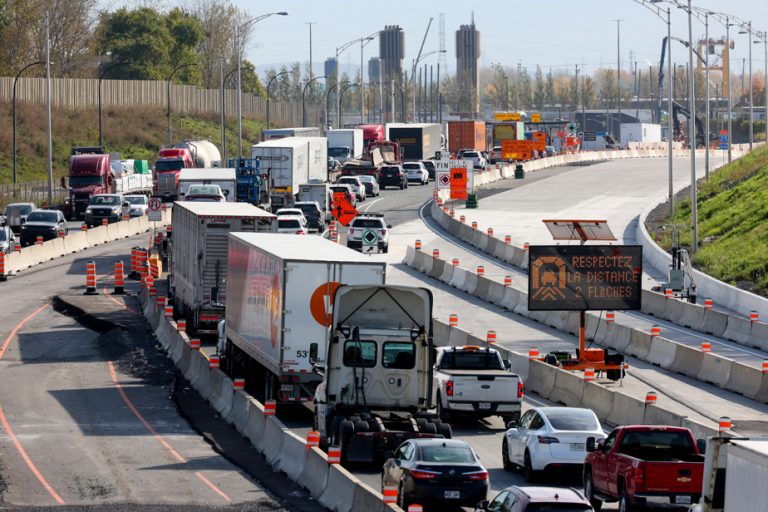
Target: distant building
(374, 69)
(467, 59)
(330, 66)
(392, 51)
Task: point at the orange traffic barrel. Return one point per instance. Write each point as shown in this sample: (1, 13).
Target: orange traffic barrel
(480, 270)
(474, 224)
(168, 311)
(104, 222)
(525, 246)
(119, 278)
(390, 494)
(650, 398)
(181, 325)
(453, 320)
(753, 316)
(490, 337)
(655, 330)
(126, 217)
(417, 508)
(270, 407)
(435, 253)
(84, 227)
(238, 384)
(490, 231)
(2, 266)
(452, 213)
(610, 317)
(194, 343)
(213, 361)
(439, 202)
(462, 219)
(418, 245)
(507, 239)
(445, 208)
(668, 293)
(455, 262)
(161, 301)
(589, 374)
(313, 439)
(708, 303)
(334, 453)
(765, 365)
(724, 424)
(62, 233)
(39, 240)
(533, 353)
(90, 278)
(507, 280)
(706, 346)
(17, 247)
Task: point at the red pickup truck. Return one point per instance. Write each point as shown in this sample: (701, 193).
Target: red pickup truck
(644, 465)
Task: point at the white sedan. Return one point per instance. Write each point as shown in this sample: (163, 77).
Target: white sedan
(547, 438)
(292, 224)
(415, 171)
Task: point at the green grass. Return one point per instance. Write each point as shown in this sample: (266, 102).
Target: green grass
(733, 223)
(134, 133)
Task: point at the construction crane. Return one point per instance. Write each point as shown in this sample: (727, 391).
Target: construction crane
(677, 108)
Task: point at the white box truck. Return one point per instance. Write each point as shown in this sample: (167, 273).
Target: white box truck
(320, 192)
(290, 161)
(345, 144)
(280, 291)
(226, 179)
(198, 264)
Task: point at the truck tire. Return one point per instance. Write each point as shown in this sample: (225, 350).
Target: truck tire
(589, 491)
(624, 504)
(441, 412)
(445, 430)
(429, 428)
(421, 422)
(362, 426)
(346, 431)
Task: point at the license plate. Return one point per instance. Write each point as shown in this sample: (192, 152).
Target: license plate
(452, 495)
(682, 500)
(286, 387)
(577, 447)
(484, 405)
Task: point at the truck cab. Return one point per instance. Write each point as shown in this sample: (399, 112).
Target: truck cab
(168, 166)
(89, 174)
(377, 378)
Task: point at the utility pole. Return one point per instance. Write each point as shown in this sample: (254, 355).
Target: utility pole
(618, 77)
(692, 137)
(310, 23)
(48, 104)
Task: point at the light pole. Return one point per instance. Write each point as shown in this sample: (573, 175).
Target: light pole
(725, 20)
(706, 14)
(170, 124)
(268, 86)
(413, 75)
(692, 136)
(48, 106)
(364, 41)
(341, 94)
(764, 36)
(327, 106)
(239, 52)
(748, 30)
(339, 51)
(659, 12)
(224, 79)
(14, 111)
(303, 94)
(101, 76)
(618, 77)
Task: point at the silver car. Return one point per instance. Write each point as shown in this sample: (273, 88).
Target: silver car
(7, 239)
(371, 185)
(138, 205)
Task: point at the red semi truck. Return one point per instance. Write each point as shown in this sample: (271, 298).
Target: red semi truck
(644, 465)
(170, 161)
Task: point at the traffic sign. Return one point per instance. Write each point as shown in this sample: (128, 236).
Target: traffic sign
(590, 136)
(155, 207)
(342, 210)
(459, 183)
(443, 179)
(535, 118)
(370, 237)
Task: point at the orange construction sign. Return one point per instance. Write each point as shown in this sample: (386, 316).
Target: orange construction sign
(516, 149)
(459, 183)
(539, 141)
(342, 210)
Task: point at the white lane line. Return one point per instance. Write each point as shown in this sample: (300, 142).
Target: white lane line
(367, 206)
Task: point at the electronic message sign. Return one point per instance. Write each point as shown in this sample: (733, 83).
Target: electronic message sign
(584, 277)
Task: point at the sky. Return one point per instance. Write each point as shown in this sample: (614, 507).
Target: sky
(557, 34)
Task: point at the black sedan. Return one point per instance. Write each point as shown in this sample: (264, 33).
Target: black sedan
(436, 472)
(44, 223)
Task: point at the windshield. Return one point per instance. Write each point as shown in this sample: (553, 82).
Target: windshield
(288, 224)
(204, 190)
(23, 209)
(479, 360)
(572, 419)
(411, 166)
(440, 453)
(349, 181)
(309, 210)
(2, 236)
(136, 199)
(171, 164)
(105, 201)
(634, 443)
(367, 179)
(367, 223)
(336, 152)
(42, 217)
(84, 181)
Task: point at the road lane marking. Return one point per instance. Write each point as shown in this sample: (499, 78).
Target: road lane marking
(28, 461)
(18, 327)
(155, 434)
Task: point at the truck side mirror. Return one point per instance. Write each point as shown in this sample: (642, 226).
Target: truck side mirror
(512, 424)
(701, 444)
(590, 444)
(507, 365)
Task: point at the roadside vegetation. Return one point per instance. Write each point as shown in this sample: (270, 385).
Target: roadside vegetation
(733, 223)
(134, 133)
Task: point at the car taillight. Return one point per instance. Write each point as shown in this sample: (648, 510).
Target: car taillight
(640, 476)
(548, 440)
(449, 388)
(519, 389)
(299, 232)
(383, 232)
(477, 475)
(351, 231)
(423, 475)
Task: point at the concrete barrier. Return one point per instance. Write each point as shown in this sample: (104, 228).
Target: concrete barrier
(75, 242)
(715, 370)
(598, 398)
(438, 266)
(762, 394)
(759, 336)
(662, 352)
(34, 255)
(176, 350)
(271, 441)
(254, 427)
(687, 361)
(222, 392)
(569, 388)
(240, 409)
(410, 256)
(314, 476)
(744, 380)
(715, 323)
(654, 304)
(639, 344)
(655, 415)
(541, 378)
(738, 330)
(470, 283)
(54, 248)
(447, 273)
(339, 493)
(692, 316)
(96, 236)
(495, 293)
(459, 278)
(203, 375)
(626, 410)
(366, 498)
(293, 455)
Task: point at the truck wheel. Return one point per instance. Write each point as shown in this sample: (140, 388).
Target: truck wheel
(429, 428)
(362, 426)
(589, 492)
(445, 430)
(441, 412)
(346, 431)
(421, 423)
(624, 503)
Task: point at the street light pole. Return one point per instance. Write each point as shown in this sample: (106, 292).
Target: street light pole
(692, 136)
(303, 94)
(48, 105)
(101, 76)
(751, 88)
(170, 123)
(224, 79)
(327, 98)
(340, 96)
(269, 83)
(14, 111)
(618, 77)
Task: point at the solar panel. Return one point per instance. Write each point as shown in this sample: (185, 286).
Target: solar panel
(582, 230)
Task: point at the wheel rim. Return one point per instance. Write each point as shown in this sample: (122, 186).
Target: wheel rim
(528, 466)
(505, 453)
(623, 505)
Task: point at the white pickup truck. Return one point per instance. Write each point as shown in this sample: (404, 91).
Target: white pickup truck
(473, 381)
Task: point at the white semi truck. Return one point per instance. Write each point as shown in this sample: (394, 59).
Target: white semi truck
(377, 385)
(225, 178)
(289, 162)
(280, 292)
(199, 256)
(345, 144)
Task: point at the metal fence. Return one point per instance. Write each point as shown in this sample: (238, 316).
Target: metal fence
(77, 93)
(30, 192)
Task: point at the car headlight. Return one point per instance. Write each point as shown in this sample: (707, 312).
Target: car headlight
(23, 227)
(88, 210)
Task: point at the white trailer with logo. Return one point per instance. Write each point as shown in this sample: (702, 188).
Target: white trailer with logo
(280, 291)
